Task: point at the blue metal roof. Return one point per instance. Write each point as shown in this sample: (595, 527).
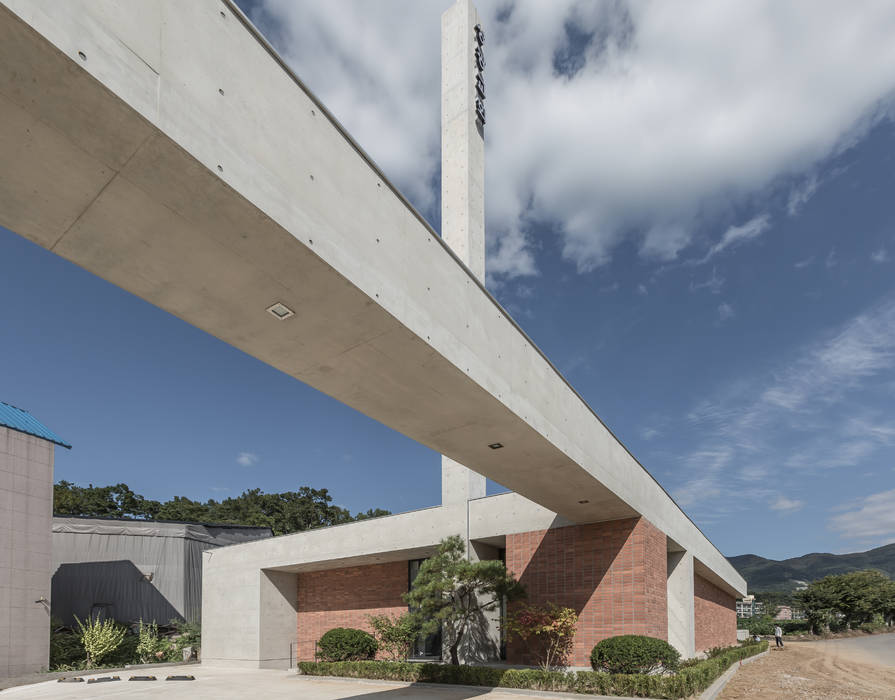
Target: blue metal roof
(18, 419)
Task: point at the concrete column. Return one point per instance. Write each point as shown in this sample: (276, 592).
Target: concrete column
(462, 184)
(681, 614)
(278, 618)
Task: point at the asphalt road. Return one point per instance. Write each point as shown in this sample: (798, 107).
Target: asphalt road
(877, 648)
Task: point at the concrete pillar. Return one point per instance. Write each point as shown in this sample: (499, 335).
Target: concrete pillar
(681, 612)
(462, 182)
(277, 619)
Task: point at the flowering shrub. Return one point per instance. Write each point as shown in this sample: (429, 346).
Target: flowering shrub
(549, 630)
(99, 637)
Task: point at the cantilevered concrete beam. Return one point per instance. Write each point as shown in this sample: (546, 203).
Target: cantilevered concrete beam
(164, 147)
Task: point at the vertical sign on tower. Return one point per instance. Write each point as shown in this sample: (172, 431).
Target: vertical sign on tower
(480, 74)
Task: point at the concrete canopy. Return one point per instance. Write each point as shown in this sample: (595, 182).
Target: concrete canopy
(164, 147)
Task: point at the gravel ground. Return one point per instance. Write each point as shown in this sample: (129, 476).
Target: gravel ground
(839, 670)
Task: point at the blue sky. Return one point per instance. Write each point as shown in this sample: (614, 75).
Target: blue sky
(717, 278)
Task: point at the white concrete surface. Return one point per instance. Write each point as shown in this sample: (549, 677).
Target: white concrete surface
(248, 615)
(125, 126)
(226, 683)
(681, 603)
(462, 187)
(26, 510)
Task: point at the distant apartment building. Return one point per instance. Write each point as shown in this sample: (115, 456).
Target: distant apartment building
(787, 612)
(749, 607)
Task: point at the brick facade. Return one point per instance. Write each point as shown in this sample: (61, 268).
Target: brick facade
(612, 573)
(715, 613)
(344, 598)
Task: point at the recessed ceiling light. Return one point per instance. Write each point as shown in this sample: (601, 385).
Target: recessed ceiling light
(280, 311)
(495, 445)
(584, 501)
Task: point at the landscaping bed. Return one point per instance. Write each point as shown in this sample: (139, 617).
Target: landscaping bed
(692, 678)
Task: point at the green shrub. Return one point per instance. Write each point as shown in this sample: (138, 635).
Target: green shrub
(795, 626)
(100, 638)
(688, 681)
(126, 653)
(634, 653)
(346, 644)
(875, 625)
(189, 634)
(66, 649)
(395, 634)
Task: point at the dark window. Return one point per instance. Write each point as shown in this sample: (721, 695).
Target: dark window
(427, 646)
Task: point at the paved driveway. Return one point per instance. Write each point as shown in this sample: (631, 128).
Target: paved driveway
(215, 683)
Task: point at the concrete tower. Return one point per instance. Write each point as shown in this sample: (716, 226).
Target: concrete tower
(462, 178)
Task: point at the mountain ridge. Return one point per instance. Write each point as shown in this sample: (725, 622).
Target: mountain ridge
(764, 574)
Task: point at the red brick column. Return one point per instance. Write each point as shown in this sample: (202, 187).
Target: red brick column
(716, 616)
(344, 598)
(612, 573)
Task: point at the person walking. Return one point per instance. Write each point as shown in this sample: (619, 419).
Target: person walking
(778, 635)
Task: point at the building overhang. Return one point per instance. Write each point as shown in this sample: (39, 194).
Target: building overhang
(164, 147)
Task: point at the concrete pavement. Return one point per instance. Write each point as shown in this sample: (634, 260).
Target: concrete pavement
(219, 683)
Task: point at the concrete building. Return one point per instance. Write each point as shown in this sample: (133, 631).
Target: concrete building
(132, 570)
(128, 124)
(749, 607)
(26, 509)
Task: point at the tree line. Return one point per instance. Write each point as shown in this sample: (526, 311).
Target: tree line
(289, 511)
(863, 599)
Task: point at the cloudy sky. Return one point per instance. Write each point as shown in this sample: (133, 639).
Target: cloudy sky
(689, 208)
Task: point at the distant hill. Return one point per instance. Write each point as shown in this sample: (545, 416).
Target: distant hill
(769, 575)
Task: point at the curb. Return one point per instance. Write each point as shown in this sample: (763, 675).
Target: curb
(714, 690)
(478, 689)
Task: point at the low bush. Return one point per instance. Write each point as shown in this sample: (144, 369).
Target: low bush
(686, 682)
(795, 626)
(66, 649)
(395, 634)
(346, 644)
(634, 653)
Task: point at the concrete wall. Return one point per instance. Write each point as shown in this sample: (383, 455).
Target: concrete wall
(26, 509)
(611, 573)
(247, 621)
(715, 613)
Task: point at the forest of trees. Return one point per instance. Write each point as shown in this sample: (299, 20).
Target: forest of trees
(290, 511)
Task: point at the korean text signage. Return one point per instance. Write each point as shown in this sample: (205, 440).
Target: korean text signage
(479, 74)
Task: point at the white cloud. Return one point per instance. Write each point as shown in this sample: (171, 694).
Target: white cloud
(739, 234)
(725, 311)
(880, 256)
(786, 505)
(864, 347)
(713, 283)
(641, 290)
(804, 263)
(671, 110)
(832, 260)
(873, 519)
(649, 433)
(800, 195)
(247, 459)
(814, 413)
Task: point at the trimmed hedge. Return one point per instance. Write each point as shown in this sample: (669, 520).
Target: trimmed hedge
(686, 682)
(346, 644)
(634, 653)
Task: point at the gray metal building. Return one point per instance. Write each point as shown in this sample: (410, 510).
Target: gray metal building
(134, 569)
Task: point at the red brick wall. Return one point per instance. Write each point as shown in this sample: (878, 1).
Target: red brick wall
(344, 598)
(716, 617)
(613, 574)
